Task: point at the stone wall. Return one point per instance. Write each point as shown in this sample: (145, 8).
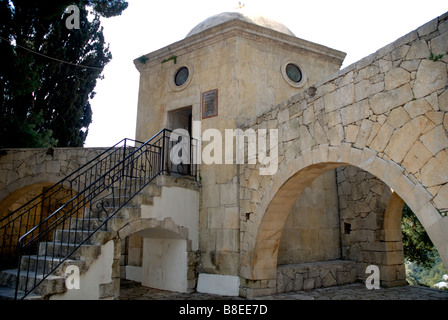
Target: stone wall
(312, 229)
(309, 276)
(386, 114)
(363, 203)
(21, 168)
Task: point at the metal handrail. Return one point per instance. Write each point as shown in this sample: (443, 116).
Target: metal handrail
(103, 197)
(22, 217)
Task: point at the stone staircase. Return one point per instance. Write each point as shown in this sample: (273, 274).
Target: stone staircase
(65, 241)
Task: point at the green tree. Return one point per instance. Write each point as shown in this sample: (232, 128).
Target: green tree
(49, 72)
(417, 245)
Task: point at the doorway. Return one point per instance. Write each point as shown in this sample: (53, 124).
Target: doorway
(181, 119)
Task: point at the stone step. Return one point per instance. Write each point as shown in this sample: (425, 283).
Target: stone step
(41, 264)
(84, 224)
(127, 197)
(130, 188)
(86, 251)
(77, 236)
(50, 285)
(127, 212)
(9, 293)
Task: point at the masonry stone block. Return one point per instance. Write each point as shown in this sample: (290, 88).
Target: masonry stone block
(435, 171)
(398, 117)
(417, 157)
(431, 76)
(435, 140)
(387, 100)
(403, 138)
(417, 107)
(381, 140)
(396, 78)
(439, 45)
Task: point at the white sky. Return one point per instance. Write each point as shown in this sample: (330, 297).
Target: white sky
(356, 27)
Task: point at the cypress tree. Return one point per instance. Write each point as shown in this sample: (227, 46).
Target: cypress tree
(49, 71)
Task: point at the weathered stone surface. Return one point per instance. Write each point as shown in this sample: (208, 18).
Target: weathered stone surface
(382, 138)
(355, 112)
(309, 276)
(443, 101)
(365, 89)
(398, 117)
(418, 50)
(441, 200)
(385, 101)
(339, 98)
(435, 172)
(417, 157)
(435, 140)
(417, 107)
(396, 78)
(439, 45)
(351, 132)
(445, 122)
(431, 76)
(403, 138)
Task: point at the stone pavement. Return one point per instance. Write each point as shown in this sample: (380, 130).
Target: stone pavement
(134, 291)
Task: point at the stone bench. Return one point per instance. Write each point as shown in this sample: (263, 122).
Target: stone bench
(313, 275)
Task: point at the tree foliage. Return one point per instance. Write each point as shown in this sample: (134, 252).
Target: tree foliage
(417, 245)
(49, 72)
(418, 275)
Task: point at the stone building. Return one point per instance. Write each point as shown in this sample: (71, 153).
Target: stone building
(345, 150)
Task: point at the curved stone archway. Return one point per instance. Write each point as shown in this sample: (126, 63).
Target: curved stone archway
(165, 254)
(393, 238)
(267, 221)
(21, 193)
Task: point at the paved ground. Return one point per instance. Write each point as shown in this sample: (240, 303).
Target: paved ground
(133, 291)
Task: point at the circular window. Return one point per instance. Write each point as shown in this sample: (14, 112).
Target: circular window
(181, 76)
(293, 72)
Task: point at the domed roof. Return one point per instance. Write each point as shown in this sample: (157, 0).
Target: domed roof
(227, 16)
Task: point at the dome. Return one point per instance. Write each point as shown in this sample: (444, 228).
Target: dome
(227, 16)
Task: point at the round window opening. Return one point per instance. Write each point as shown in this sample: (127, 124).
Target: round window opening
(293, 72)
(181, 76)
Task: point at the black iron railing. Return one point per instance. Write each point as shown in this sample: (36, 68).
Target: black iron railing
(15, 224)
(91, 196)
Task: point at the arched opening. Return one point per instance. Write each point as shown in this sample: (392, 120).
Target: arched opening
(393, 273)
(344, 220)
(157, 254)
(157, 258)
(369, 224)
(22, 210)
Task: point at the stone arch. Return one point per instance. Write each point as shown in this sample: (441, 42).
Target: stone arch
(25, 208)
(153, 228)
(394, 255)
(165, 254)
(19, 187)
(259, 260)
(7, 201)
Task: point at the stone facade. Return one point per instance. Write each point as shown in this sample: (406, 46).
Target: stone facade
(364, 218)
(22, 170)
(312, 229)
(244, 62)
(309, 276)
